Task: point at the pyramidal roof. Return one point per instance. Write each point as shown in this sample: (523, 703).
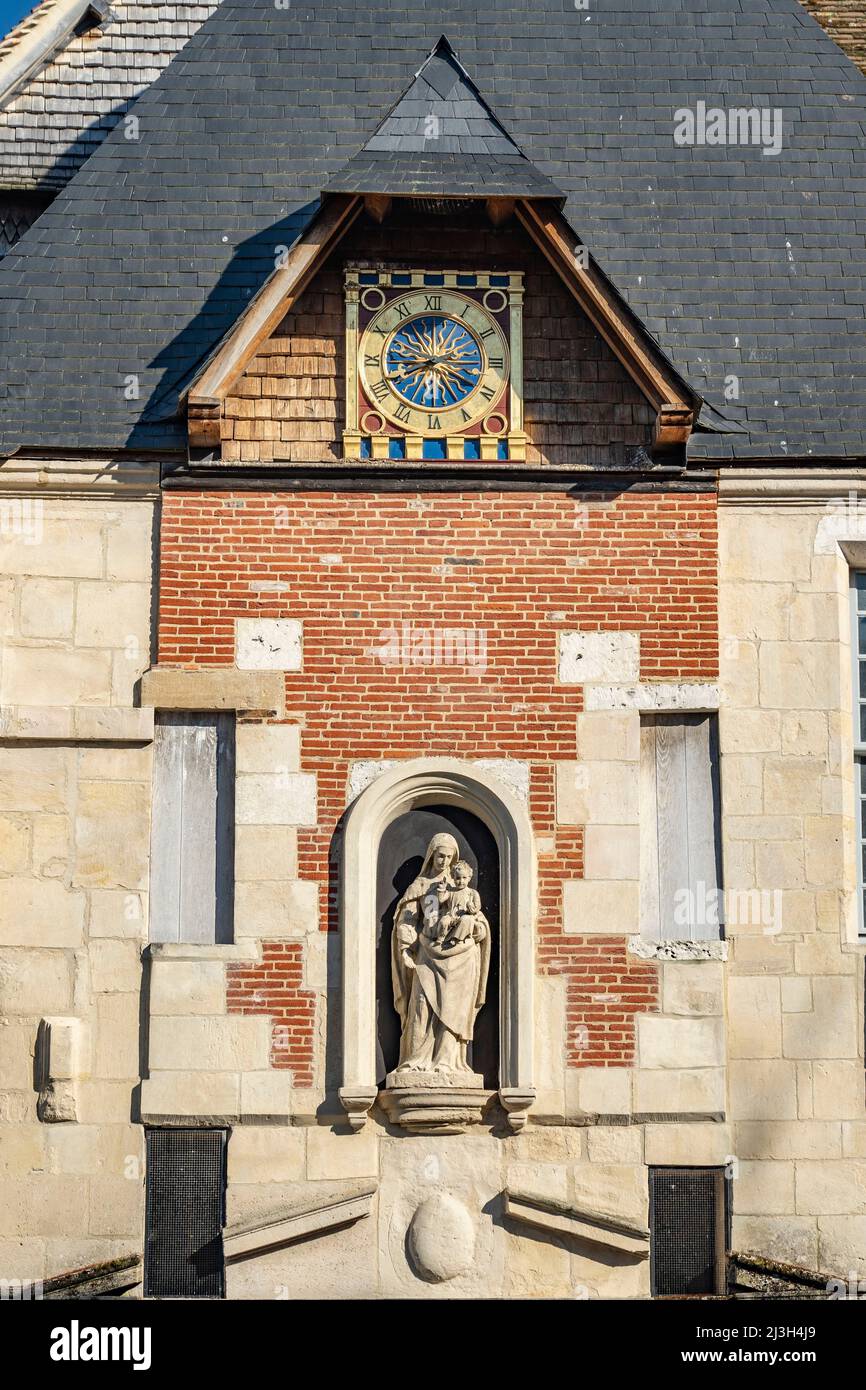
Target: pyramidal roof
(442, 138)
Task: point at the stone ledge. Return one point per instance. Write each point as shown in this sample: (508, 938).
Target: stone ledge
(693, 697)
(229, 954)
(308, 1214)
(70, 477)
(580, 1223)
(592, 1119)
(219, 688)
(676, 950)
(77, 723)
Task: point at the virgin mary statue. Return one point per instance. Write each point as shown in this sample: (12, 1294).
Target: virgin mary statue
(439, 980)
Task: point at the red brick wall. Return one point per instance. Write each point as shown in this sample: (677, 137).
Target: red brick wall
(275, 988)
(520, 566)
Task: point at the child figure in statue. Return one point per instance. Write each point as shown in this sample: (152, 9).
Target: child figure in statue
(463, 917)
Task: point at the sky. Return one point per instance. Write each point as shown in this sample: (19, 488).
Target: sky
(11, 11)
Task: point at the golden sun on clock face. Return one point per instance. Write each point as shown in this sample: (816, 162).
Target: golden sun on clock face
(433, 362)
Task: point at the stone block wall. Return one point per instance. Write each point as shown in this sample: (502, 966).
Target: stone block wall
(75, 778)
(796, 1096)
(748, 1059)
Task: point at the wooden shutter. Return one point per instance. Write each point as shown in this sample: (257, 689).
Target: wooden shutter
(680, 842)
(192, 828)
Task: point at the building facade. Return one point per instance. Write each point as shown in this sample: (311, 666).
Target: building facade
(431, 730)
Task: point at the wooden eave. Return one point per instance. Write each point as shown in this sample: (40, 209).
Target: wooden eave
(676, 406)
(207, 392)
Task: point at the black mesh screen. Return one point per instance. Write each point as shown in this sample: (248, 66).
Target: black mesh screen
(183, 1252)
(687, 1229)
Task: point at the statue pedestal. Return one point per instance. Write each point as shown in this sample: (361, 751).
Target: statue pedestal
(434, 1102)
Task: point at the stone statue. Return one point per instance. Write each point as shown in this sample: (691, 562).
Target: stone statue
(440, 959)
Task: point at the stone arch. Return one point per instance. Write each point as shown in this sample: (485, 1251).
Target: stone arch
(425, 782)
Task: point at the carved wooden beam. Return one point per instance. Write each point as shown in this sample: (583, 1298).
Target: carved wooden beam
(673, 425)
(204, 420)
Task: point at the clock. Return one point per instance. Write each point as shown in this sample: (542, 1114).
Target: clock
(430, 364)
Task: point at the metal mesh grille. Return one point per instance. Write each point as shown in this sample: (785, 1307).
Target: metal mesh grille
(685, 1211)
(183, 1255)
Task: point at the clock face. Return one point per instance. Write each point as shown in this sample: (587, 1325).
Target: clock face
(433, 363)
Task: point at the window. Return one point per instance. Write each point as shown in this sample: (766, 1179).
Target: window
(192, 834)
(688, 1230)
(185, 1213)
(681, 884)
(858, 647)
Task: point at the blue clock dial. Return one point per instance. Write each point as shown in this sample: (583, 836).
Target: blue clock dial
(433, 362)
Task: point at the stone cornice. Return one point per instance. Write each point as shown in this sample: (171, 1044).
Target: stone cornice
(22, 476)
(802, 486)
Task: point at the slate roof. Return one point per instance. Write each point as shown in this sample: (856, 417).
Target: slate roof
(749, 268)
(54, 119)
(448, 175)
(442, 138)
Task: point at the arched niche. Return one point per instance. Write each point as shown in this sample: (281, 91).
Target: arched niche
(432, 782)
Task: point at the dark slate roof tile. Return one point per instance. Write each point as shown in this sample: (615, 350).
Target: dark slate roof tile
(128, 272)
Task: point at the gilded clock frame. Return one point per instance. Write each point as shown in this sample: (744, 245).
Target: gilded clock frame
(412, 427)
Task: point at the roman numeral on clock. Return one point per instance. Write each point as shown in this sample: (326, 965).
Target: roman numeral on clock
(403, 413)
(380, 390)
(433, 301)
(370, 361)
(487, 393)
(497, 362)
(433, 422)
(402, 311)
